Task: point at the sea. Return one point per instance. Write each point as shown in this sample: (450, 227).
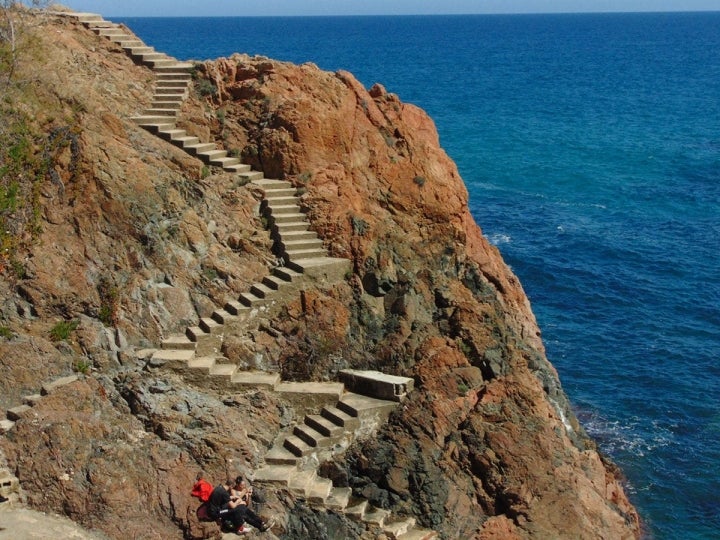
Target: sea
(590, 146)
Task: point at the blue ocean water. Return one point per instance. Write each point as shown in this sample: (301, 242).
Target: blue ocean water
(590, 145)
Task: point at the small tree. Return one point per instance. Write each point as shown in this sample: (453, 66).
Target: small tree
(13, 19)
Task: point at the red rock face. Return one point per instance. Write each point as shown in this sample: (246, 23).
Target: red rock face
(487, 447)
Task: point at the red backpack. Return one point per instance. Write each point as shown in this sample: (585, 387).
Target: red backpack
(202, 490)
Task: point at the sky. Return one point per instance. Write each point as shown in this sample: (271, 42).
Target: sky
(188, 8)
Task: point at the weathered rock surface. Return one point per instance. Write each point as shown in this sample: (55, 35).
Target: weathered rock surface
(140, 242)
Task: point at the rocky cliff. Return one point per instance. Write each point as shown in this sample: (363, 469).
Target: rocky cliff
(116, 239)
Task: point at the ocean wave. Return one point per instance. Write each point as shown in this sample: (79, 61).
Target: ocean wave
(497, 239)
(635, 435)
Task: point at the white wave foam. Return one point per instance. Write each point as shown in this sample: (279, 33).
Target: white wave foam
(499, 238)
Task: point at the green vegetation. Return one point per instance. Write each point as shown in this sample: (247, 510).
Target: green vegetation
(62, 330)
(109, 302)
(83, 366)
(205, 88)
(5, 332)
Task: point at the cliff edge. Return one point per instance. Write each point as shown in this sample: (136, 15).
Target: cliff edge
(115, 239)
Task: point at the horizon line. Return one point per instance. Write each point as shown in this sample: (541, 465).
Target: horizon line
(486, 14)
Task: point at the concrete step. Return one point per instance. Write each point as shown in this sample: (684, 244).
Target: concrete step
(339, 498)
(150, 56)
(174, 105)
(311, 437)
(286, 274)
(198, 147)
(294, 236)
(154, 123)
(178, 342)
(176, 99)
(280, 192)
(395, 527)
(49, 387)
(268, 183)
(297, 446)
(195, 333)
(297, 254)
(172, 356)
(171, 83)
(174, 75)
(261, 291)
(418, 534)
(250, 300)
(284, 200)
(324, 426)
(211, 326)
(101, 24)
(223, 370)
(111, 31)
(179, 90)
(171, 134)
(289, 218)
(209, 155)
(139, 50)
(222, 316)
(86, 17)
(319, 490)
(169, 113)
(356, 508)
(327, 268)
(130, 43)
(205, 363)
(279, 455)
(236, 308)
(239, 168)
(273, 283)
(177, 66)
(185, 140)
(275, 474)
(301, 482)
(340, 418)
(252, 176)
(357, 405)
(278, 209)
(290, 245)
(31, 400)
(375, 516)
(6, 425)
(224, 162)
(377, 384)
(159, 63)
(284, 227)
(16, 413)
(256, 378)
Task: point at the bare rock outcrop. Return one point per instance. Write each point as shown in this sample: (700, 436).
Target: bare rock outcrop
(134, 239)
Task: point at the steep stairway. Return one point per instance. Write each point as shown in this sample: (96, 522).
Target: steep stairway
(337, 412)
(292, 462)
(172, 86)
(305, 260)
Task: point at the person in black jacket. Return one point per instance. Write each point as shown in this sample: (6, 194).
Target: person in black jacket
(234, 507)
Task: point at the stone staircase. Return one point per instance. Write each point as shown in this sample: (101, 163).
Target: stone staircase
(337, 412)
(305, 259)
(291, 464)
(172, 86)
(14, 414)
(10, 493)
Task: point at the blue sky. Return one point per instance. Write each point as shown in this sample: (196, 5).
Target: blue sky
(187, 8)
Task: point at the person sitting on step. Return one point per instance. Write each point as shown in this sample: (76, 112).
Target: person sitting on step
(233, 508)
